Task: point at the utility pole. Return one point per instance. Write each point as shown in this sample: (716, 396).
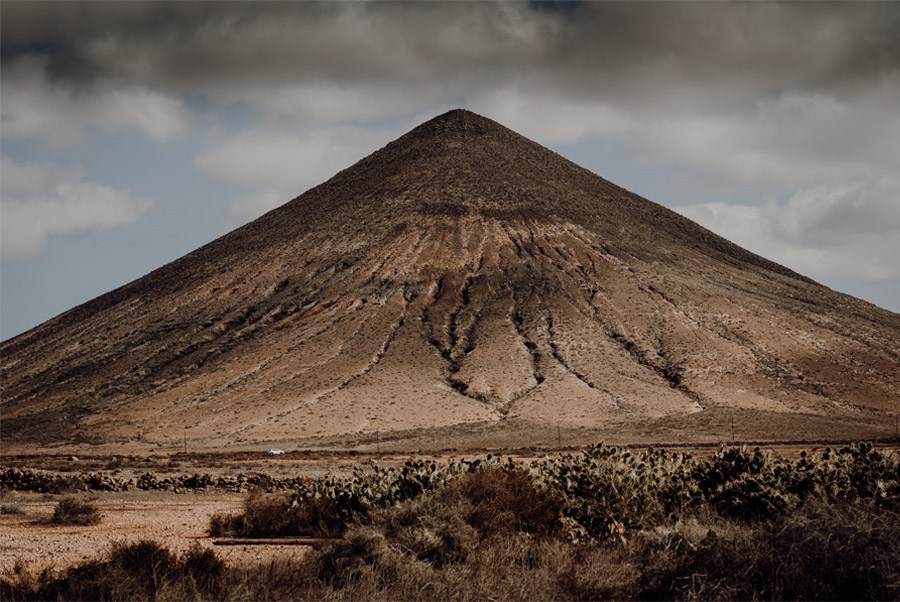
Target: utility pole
(732, 430)
(184, 440)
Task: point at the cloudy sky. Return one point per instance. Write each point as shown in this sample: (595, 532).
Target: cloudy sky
(133, 133)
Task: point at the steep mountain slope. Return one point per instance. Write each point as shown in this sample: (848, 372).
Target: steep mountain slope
(462, 275)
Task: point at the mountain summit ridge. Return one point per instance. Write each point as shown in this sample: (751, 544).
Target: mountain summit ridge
(456, 166)
(462, 279)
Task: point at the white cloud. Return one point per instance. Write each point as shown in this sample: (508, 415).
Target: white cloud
(34, 106)
(277, 164)
(573, 120)
(785, 142)
(249, 207)
(325, 101)
(846, 233)
(289, 160)
(38, 201)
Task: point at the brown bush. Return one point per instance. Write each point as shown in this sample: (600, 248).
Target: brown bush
(446, 526)
(516, 566)
(502, 500)
(819, 552)
(822, 552)
(10, 508)
(72, 511)
(317, 517)
(265, 515)
(363, 552)
(225, 525)
(438, 535)
(205, 571)
(135, 571)
(280, 514)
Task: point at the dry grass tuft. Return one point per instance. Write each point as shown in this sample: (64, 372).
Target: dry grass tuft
(137, 571)
(7, 508)
(821, 552)
(225, 525)
(280, 514)
(72, 511)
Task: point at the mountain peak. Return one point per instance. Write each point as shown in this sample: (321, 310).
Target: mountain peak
(461, 284)
(459, 124)
(456, 118)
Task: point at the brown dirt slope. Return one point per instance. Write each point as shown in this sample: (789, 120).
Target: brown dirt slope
(461, 275)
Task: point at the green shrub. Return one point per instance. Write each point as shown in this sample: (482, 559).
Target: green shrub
(608, 491)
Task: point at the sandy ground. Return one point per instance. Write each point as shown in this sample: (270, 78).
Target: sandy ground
(178, 521)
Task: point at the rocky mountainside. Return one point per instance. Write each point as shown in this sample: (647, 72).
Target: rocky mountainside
(463, 279)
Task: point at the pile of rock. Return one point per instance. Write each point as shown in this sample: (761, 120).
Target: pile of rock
(26, 479)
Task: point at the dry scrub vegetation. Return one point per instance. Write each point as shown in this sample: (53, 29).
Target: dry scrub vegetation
(73, 511)
(603, 524)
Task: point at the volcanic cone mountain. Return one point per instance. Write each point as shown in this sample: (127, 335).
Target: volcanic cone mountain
(461, 284)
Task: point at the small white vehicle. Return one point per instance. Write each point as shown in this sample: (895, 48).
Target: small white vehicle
(276, 452)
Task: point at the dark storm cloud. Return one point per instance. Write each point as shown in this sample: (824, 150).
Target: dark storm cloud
(785, 80)
(619, 48)
(797, 90)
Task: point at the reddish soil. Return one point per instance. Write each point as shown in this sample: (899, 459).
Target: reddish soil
(178, 521)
